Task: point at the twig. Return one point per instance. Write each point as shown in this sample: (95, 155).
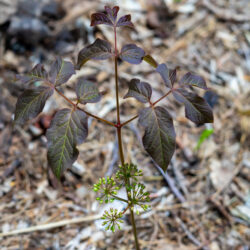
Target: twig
(211, 240)
(225, 14)
(86, 112)
(171, 184)
(234, 174)
(51, 225)
(188, 233)
(180, 179)
(221, 209)
(15, 164)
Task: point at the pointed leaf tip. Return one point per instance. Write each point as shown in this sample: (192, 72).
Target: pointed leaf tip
(150, 60)
(190, 79)
(159, 136)
(99, 50)
(132, 54)
(68, 129)
(125, 21)
(112, 12)
(110, 18)
(163, 70)
(61, 71)
(196, 108)
(100, 18)
(38, 73)
(87, 92)
(31, 103)
(141, 91)
(173, 76)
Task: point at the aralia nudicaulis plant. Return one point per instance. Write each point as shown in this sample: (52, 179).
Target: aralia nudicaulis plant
(69, 127)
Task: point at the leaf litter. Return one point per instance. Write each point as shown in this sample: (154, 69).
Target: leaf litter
(213, 180)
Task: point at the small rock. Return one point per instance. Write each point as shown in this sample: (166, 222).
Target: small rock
(35, 131)
(28, 30)
(77, 168)
(81, 192)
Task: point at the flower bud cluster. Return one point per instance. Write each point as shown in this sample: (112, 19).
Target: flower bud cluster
(138, 196)
(128, 171)
(108, 189)
(112, 219)
(126, 176)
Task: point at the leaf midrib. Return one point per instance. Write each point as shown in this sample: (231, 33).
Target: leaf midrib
(27, 107)
(63, 146)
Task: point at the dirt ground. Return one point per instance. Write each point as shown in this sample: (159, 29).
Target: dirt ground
(203, 201)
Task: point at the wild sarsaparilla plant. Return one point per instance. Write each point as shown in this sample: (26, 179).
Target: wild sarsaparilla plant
(69, 126)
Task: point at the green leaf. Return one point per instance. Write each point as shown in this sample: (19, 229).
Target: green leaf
(61, 71)
(196, 108)
(159, 137)
(190, 79)
(141, 91)
(150, 60)
(132, 54)
(31, 103)
(204, 135)
(99, 50)
(68, 129)
(87, 92)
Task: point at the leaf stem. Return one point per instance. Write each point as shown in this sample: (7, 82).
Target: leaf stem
(128, 121)
(119, 198)
(152, 104)
(170, 91)
(86, 112)
(125, 210)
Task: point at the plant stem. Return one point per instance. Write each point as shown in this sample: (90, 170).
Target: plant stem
(119, 198)
(116, 82)
(128, 121)
(86, 112)
(119, 136)
(152, 104)
(134, 229)
(170, 91)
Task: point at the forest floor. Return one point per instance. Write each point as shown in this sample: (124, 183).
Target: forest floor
(203, 202)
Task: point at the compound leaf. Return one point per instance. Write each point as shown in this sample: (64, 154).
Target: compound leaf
(61, 71)
(196, 108)
(141, 91)
(164, 72)
(112, 13)
(150, 60)
(190, 79)
(87, 92)
(99, 50)
(125, 21)
(31, 103)
(132, 54)
(68, 129)
(159, 137)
